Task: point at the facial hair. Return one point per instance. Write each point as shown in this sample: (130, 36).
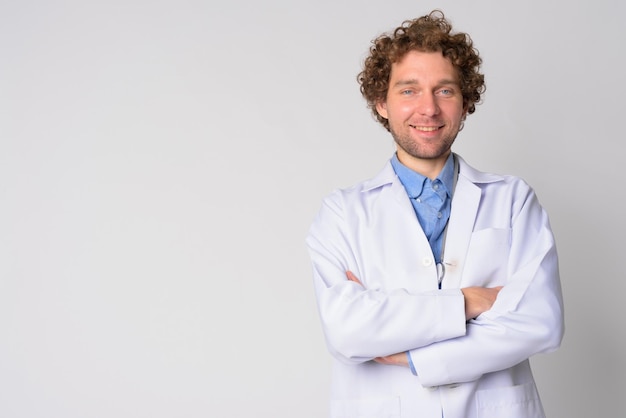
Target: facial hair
(415, 148)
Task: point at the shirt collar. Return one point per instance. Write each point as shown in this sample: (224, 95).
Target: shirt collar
(414, 182)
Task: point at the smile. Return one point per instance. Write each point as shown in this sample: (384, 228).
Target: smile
(425, 128)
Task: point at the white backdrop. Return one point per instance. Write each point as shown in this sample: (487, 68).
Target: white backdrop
(161, 161)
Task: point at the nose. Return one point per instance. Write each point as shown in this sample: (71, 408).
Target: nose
(427, 105)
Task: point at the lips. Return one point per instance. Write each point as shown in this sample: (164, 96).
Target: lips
(425, 128)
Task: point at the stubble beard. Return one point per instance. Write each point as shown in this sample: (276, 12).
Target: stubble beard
(416, 150)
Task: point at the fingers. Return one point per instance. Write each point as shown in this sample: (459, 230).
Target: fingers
(399, 359)
(479, 300)
(352, 277)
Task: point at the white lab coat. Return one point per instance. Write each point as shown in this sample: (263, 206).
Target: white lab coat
(498, 234)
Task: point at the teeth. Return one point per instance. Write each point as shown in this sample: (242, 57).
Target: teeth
(426, 128)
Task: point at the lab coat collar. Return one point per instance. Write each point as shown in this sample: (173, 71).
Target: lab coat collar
(388, 176)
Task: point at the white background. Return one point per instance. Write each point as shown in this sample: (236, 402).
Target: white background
(161, 161)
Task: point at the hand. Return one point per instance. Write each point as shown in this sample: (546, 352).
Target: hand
(399, 359)
(352, 277)
(479, 300)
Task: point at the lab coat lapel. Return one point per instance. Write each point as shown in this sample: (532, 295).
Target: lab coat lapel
(464, 209)
(405, 217)
(417, 259)
(411, 247)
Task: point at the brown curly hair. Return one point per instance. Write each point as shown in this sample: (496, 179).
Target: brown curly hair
(430, 33)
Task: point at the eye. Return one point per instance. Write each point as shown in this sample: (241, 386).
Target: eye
(445, 92)
(406, 92)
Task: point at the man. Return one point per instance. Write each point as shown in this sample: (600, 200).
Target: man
(435, 282)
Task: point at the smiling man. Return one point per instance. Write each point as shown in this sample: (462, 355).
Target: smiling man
(424, 107)
(435, 282)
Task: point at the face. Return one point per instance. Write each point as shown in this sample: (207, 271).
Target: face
(424, 107)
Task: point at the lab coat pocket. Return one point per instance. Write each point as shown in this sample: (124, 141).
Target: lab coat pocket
(487, 256)
(521, 401)
(366, 408)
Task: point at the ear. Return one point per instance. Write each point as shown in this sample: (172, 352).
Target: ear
(381, 108)
(463, 116)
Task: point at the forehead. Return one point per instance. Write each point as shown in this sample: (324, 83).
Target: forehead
(424, 66)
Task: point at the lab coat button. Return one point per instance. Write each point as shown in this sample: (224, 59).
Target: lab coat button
(427, 261)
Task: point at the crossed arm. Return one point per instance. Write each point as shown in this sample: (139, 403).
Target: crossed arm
(477, 300)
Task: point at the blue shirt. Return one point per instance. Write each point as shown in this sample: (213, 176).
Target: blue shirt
(431, 200)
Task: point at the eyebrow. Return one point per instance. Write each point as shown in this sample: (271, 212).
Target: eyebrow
(413, 81)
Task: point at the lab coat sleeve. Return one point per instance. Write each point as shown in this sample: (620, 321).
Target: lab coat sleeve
(359, 323)
(526, 319)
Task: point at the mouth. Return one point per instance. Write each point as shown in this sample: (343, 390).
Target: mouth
(426, 128)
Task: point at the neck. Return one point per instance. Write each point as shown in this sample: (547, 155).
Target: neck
(428, 167)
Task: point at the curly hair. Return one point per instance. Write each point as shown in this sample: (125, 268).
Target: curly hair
(430, 33)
